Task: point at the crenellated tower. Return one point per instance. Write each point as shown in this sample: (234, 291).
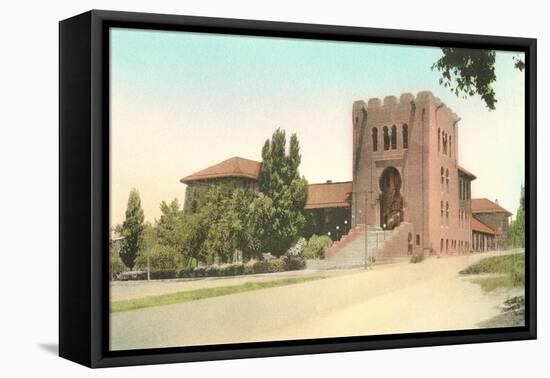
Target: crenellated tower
(405, 169)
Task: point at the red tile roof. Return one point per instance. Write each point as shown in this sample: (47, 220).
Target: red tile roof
(483, 205)
(233, 167)
(478, 226)
(325, 195)
(466, 172)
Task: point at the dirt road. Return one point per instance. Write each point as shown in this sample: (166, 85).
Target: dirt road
(396, 298)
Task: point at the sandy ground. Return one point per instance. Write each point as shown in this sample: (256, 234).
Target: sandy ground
(396, 298)
(121, 290)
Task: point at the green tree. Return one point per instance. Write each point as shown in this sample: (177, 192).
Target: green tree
(132, 230)
(170, 220)
(257, 225)
(516, 231)
(227, 220)
(467, 72)
(280, 181)
(116, 266)
(156, 255)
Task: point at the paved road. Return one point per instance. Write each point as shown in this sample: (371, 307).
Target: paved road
(387, 299)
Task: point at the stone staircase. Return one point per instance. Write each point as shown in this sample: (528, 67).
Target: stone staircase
(381, 247)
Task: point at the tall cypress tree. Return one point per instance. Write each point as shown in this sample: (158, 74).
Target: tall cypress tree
(280, 180)
(132, 230)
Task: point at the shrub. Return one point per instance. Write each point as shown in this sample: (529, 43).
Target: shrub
(185, 273)
(295, 263)
(249, 266)
(160, 258)
(277, 265)
(163, 274)
(261, 266)
(315, 247)
(297, 249)
(132, 275)
(417, 258)
(116, 266)
(498, 264)
(199, 271)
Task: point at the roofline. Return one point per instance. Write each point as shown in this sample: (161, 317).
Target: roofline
(198, 177)
(501, 210)
(186, 180)
(466, 172)
(327, 205)
(331, 183)
(492, 231)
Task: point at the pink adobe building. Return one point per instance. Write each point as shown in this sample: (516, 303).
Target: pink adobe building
(406, 169)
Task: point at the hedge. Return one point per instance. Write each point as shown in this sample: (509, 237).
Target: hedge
(281, 264)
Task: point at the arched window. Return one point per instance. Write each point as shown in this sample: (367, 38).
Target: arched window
(393, 137)
(450, 147)
(375, 139)
(442, 211)
(386, 138)
(442, 176)
(441, 246)
(405, 136)
(447, 210)
(447, 245)
(447, 178)
(438, 140)
(444, 141)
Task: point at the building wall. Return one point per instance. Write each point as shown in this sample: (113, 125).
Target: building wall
(195, 189)
(464, 212)
(324, 220)
(419, 166)
(498, 222)
(482, 242)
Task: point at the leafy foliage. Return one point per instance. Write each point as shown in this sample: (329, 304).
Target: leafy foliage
(315, 248)
(229, 223)
(467, 72)
(513, 266)
(116, 266)
(132, 230)
(281, 182)
(515, 236)
(415, 259)
(167, 225)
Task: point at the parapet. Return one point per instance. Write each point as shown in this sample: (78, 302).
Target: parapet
(406, 99)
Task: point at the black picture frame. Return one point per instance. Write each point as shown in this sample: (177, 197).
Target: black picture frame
(84, 187)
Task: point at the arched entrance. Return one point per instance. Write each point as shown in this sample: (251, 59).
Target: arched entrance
(391, 200)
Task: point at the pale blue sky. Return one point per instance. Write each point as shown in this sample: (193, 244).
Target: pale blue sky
(183, 101)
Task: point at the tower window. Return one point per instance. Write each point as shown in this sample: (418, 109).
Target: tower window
(393, 137)
(375, 139)
(386, 138)
(405, 136)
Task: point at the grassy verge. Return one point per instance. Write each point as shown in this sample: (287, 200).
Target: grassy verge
(511, 268)
(193, 295)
